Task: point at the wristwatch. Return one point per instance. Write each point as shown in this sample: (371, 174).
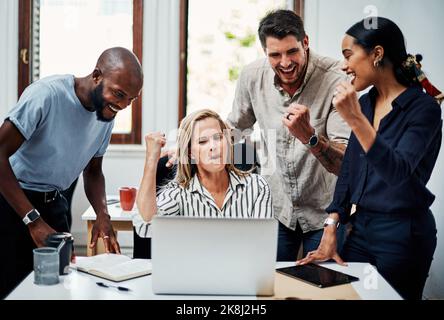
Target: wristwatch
(31, 216)
(313, 141)
(331, 222)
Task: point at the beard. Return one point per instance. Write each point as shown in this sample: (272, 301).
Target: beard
(99, 103)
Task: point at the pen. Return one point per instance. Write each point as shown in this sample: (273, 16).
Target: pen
(101, 284)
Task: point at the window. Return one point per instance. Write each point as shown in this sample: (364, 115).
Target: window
(218, 38)
(67, 36)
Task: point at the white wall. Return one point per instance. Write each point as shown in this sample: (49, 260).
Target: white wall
(421, 22)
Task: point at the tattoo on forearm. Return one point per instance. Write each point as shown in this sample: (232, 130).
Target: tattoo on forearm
(330, 154)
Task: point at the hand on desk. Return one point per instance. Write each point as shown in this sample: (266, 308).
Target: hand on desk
(103, 229)
(327, 249)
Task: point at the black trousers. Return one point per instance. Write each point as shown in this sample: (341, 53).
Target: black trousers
(68, 194)
(400, 246)
(16, 241)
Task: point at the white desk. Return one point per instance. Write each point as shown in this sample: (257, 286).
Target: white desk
(82, 286)
(120, 220)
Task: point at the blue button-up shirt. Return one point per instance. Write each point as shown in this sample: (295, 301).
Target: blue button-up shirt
(392, 176)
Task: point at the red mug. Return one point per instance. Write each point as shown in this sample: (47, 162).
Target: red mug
(127, 198)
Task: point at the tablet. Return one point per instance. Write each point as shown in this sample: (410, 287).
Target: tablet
(317, 275)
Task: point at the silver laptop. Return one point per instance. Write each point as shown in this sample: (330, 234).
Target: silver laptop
(213, 256)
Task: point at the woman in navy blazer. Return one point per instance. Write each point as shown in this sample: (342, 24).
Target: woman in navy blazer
(395, 141)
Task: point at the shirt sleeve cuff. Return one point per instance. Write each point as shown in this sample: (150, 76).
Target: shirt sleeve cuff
(142, 228)
(19, 127)
(343, 215)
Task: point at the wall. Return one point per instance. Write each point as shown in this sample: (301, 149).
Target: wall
(421, 23)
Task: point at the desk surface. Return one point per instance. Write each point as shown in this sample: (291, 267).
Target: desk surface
(115, 211)
(82, 286)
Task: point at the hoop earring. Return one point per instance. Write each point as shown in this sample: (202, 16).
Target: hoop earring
(376, 63)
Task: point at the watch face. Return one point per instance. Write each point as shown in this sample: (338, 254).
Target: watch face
(33, 215)
(313, 140)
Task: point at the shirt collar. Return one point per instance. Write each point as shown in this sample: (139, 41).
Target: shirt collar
(402, 101)
(235, 180)
(196, 186)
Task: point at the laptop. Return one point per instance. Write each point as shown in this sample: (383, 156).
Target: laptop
(213, 256)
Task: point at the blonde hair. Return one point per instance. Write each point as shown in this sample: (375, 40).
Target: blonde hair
(185, 168)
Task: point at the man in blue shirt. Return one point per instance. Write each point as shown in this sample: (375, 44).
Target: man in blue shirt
(60, 127)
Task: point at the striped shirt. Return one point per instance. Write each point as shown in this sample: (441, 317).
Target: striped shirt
(246, 197)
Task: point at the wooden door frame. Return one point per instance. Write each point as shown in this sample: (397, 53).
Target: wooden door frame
(135, 136)
(24, 42)
(299, 7)
(183, 59)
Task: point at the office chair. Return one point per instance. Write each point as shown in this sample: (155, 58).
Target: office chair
(245, 159)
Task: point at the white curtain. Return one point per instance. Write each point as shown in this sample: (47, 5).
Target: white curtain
(8, 55)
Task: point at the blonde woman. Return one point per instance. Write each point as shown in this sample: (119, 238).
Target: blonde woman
(206, 184)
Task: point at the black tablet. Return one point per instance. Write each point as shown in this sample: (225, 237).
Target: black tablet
(317, 275)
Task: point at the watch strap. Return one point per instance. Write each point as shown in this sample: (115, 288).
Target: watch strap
(31, 216)
(330, 221)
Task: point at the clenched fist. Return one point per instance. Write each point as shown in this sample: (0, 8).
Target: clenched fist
(297, 120)
(154, 144)
(346, 102)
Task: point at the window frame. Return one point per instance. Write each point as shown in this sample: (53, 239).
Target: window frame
(25, 54)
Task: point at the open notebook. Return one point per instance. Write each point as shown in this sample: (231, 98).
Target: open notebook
(114, 267)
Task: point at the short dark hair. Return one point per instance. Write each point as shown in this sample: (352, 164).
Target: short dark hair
(388, 35)
(279, 24)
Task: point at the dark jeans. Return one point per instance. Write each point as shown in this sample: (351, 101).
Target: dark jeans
(400, 246)
(16, 241)
(289, 241)
(68, 194)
